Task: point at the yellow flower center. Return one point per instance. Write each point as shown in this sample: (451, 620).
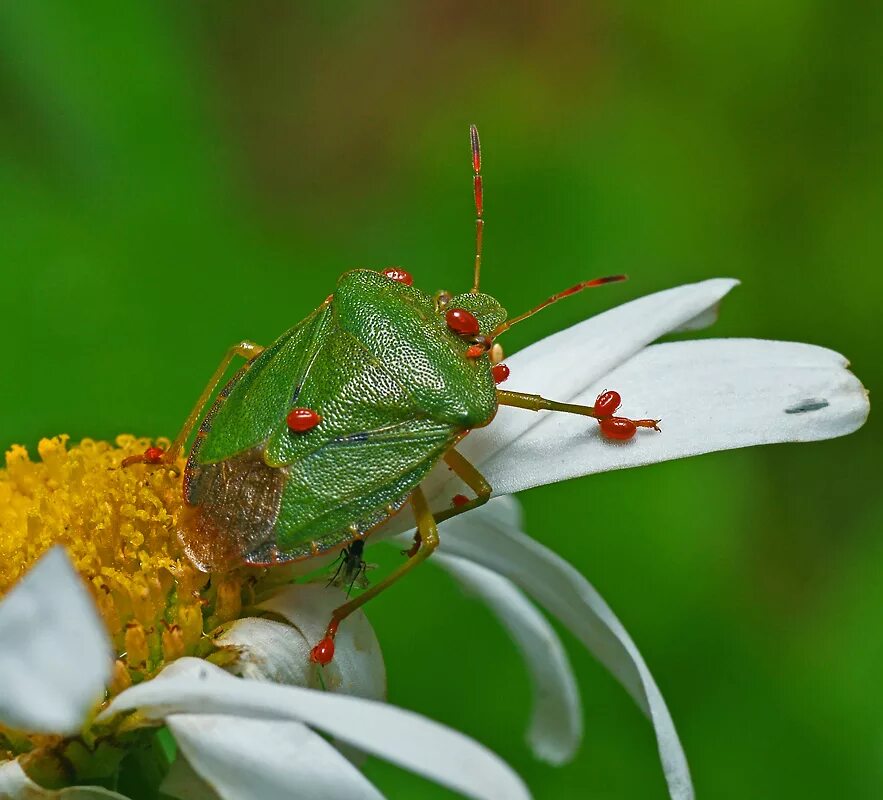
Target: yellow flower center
(119, 528)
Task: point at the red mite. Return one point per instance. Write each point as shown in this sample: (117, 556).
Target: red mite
(500, 372)
(153, 455)
(323, 653)
(301, 420)
(607, 403)
(460, 321)
(459, 500)
(475, 351)
(399, 274)
(618, 428)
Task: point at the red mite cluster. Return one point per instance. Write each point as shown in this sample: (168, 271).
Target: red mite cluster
(619, 428)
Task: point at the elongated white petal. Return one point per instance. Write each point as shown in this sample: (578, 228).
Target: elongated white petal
(55, 656)
(243, 758)
(714, 394)
(193, 686)
(556, 725)
(16, 785)
(358, 667)
(565, 364)
(488, 537)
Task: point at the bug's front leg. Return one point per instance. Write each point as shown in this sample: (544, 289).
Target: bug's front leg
(156, 455)
(323, 652)
(604, 409)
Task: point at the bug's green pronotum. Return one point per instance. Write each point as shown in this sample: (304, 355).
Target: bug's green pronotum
(322, 436)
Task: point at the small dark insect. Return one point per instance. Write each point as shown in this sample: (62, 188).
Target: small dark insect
(351, 568)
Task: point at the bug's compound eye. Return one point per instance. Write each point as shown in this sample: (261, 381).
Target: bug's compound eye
(496, 353)
(399, 275)
(301, 420)
(461, 322)
(442, 299)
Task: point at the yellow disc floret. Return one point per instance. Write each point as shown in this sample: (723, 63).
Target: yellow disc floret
(119, 528)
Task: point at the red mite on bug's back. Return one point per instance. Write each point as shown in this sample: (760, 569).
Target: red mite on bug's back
(321, 437)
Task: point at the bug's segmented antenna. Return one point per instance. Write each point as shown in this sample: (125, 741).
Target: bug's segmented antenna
(555, 298)
(479, 202)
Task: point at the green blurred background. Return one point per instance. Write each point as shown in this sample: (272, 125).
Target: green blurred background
(177, 176)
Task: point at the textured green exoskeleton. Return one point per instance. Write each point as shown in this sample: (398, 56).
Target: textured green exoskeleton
(322, 436)
(394, 389)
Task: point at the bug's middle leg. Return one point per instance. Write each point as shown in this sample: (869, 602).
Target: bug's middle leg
(466, 471)
(323, 652)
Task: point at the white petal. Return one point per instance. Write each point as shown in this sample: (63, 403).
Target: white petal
(487, 537)
(191, 685)
(269, 651)
(714, 394)
(358, 667)
(243, 758)
(556, 725)
(55, 656)
(566, 363)
(16, 785)
(604, 341)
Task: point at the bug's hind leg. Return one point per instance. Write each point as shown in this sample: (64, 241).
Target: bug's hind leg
(156, 455)
(323, 652)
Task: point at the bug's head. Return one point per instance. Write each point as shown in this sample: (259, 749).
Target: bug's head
(473, 316)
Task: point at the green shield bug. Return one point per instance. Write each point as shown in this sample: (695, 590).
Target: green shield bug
(322, 436)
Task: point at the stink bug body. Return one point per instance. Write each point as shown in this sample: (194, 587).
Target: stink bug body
(323, 435)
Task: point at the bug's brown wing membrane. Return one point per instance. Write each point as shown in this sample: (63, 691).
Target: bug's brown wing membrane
(233, 509)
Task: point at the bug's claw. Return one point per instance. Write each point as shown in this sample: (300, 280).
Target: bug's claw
(649, 423)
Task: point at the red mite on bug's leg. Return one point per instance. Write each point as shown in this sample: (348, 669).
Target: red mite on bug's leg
(321, 437)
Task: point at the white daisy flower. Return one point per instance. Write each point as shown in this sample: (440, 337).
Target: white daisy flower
(712, 394)
(256, 736)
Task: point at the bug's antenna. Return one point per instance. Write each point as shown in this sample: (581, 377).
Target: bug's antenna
(479, 205)
(555, 298)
